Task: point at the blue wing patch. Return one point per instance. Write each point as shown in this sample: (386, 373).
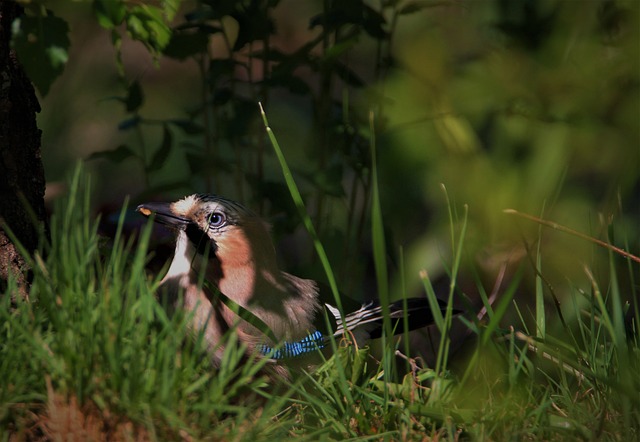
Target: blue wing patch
(310, 343)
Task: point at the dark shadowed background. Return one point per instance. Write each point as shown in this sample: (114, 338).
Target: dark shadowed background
(527, 105)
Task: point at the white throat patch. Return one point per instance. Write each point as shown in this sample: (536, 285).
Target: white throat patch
(183, 257)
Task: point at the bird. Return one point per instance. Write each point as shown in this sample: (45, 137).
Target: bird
(225, 273)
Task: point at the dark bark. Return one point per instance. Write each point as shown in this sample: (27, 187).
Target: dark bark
(22, 182)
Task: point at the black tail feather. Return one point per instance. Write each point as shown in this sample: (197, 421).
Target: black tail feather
(418, 314)
(368, 321)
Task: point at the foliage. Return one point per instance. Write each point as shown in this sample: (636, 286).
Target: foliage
(500, 101)
(93, 330)
(222, 140)
(92, 354)
(509, 113)
(42, 43)
(143, 22)
(523, 105)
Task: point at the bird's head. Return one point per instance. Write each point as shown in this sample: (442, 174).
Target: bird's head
(234, 234)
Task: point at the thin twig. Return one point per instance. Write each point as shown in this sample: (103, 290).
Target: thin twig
(573, 232)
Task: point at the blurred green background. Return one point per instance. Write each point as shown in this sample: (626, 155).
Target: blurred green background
(528, 105)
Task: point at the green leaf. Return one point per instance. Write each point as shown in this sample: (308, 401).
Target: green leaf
(377, 234)
(418, 5)
(117, 155)
(41, 43)
(347, 75)
(354, 12)
(161, 155)
(109, 13)
(137, 29)
(183, 45)
(373, 22)
(135, 97)
(170, 8)
(337, 50)
(254, 23)
(147, 25)
(297, 198)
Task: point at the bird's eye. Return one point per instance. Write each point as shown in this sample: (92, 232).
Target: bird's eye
(216, 219)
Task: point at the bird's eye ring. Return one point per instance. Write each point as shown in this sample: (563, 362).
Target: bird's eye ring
(217, 219)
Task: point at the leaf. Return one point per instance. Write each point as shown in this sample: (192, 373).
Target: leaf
(146, 24)
(219, 67)
(186, 44)
(253, 24)
(213, 10)
(338, 49)
(353, 12)
(202, 14)
(418, 5)
(200, 28)
(161, 155)
(109, 13)
(117, 155)
(170, 8)
(41, 43)
(347, 75)
(134, 98)
(373, 22)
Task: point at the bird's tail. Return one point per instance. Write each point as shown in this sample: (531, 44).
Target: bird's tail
(365, 323)
(368, 321)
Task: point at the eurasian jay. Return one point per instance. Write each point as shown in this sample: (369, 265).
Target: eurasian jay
(227, 246)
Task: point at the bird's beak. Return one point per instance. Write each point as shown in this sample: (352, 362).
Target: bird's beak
(163, 214)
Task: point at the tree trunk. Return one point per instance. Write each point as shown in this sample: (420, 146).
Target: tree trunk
(22, 182)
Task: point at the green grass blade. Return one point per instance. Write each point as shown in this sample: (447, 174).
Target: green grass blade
(541, 319)
(377, 233)
(302, 211)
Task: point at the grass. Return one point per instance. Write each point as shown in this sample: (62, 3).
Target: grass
(92, 355)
